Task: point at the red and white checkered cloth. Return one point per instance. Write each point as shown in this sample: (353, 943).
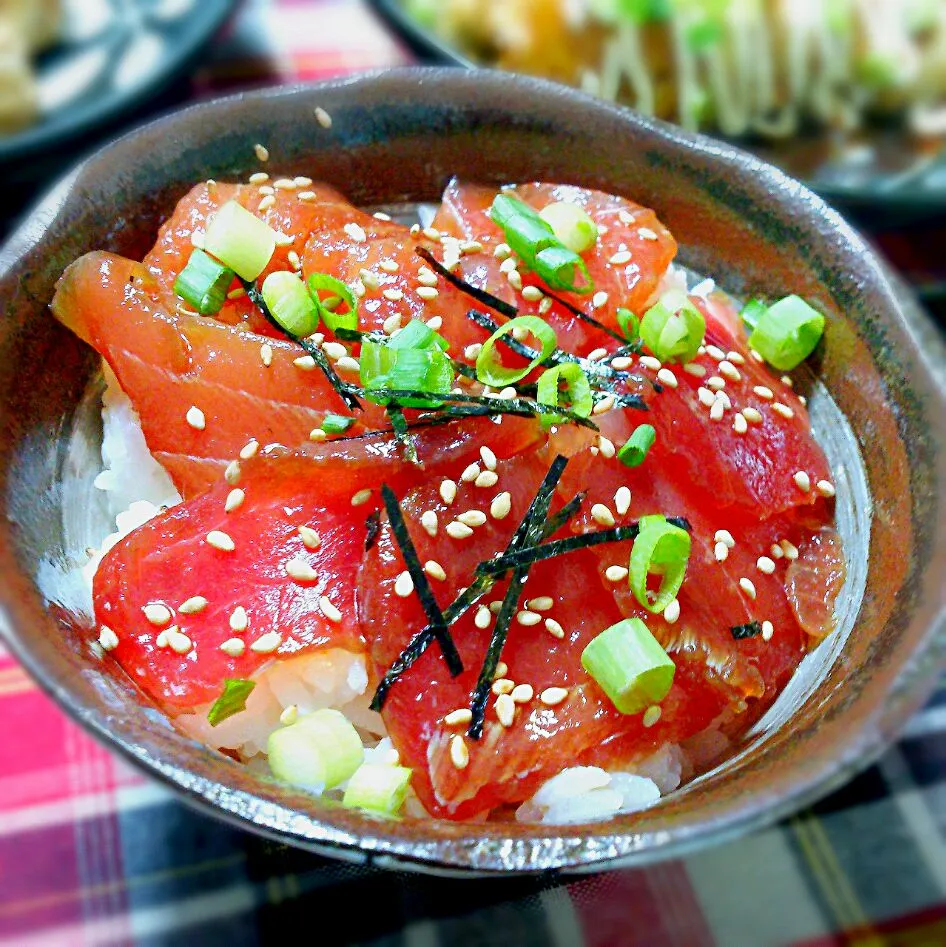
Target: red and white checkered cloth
(91, 853)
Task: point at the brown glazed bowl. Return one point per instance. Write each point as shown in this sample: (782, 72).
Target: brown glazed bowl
(398, 137)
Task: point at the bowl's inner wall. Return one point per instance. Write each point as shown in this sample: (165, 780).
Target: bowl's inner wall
(400, 137)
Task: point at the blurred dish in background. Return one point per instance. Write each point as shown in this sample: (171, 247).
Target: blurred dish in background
(848, 94)
(67, 66)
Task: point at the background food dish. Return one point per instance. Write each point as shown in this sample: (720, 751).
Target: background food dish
(400, 135)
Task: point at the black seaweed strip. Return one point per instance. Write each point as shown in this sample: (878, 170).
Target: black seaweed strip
(372, 528)
(585, 317)
(425, 593)
(402, 433)
(554, 523)
(356, 335)
(751, 629)
(480, 295)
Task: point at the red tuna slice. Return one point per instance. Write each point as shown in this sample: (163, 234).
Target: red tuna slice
(508, 764)
(171, 559)
(284, 211)
(167, 362)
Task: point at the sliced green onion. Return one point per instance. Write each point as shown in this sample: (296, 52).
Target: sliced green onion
(231, 701)
(535, 243)
(787, 333)
(318, 752)
(490, 371)
(571, 225)
(634, 451)
(385, 367)
(328, 308)
(418, 335)
(565, 385)
(378, 787)
(336, 423)
(204, 283)
(752, 312)
(240, 240)
(673, 328)
(660, 549)
(629, 665)
(629, 324)
(290, 304)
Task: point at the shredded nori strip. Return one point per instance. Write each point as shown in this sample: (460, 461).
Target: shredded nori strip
(554, 523)
(422, 587)
(480, 295)
(402, 433)
(379, 338)
(372, 528)
(345, 391)
(585, 317)
(751, 629)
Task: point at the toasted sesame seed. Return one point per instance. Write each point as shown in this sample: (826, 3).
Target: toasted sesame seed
(482, 618)
(717, 410)
(284, 239)
(514, 279)
(721, 552)
(615, 573)
(672, 612)
(622, 500)
(648, 361)
(715, 353)
(723, 398)
(459, 753)
(508, 393)
(300, 570)
(305, 363)
(239, 620)
(505, 709)
(705, 397)
(528, 618)
(193, 605)
(554, 628)
(716, 383)
(595, 355)
(233, 647)
(501, 505)
(541, 604)
(329, 610)
(488, 478)
(260, 177)
(522, 693)
(262, 152)
(285, 184)
(234, 500)
(502, 250)
(752, 415)
(508, 265)
(768, 629)
(356, 232)
(787, 381)
(393, 294)
(267, 191)
(553, 696)
(748, 587)
(431, 233)
(755, 356)
(825, 488)
(267, 202)
(472, 351)
(435, 570)
(728, 370)
(458, 717)
(157, 614)
(295, 261)
(323, 117)
(488, 458)
(606, 446)
(448, 491)
(667, 377)
(361, 497)
(790, 550)
(724, 536)
(532, 294)
(220, 540)
(317, 434)
(736, 358)
(765, 565)
(435, 323)
(502, 684)
(776, 551)
(739, 424)
(651, 716)
(177, 641)
(310, 538)
(621, 363)
(764, 393)
(303, 181)
(472, 518)
(195, 418)
(348, 364)
(544, 306)
(602, 515)
(456, 530)
(268, 643)
(604, 405)
(471, 473)
(802, 481)
(471, 246)
(783, 410)
(404, 585)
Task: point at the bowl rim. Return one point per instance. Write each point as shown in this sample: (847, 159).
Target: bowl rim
(266, 816)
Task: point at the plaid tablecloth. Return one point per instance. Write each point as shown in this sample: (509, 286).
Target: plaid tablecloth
(92, 853)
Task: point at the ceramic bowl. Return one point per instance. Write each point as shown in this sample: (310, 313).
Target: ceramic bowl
(399, 136)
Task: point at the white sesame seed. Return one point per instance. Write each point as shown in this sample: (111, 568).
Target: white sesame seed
(235, 500)
(748, 587)
(457, 530)
(195, 418)
(724, 536)
(220, 540)
(391, 324)
(768, 629)
(765, 565)
(307, 196)
(448, 491)
(471, 246)
(648, 361)
(267, 190)
(361, 497)
(507, 266)
(502, 250)
(622, 500)
(604, 405)
(459, 717)
(300, 570)
(705, 397)
(776, 551)
(532, 294)
(783, 410)
(471, 473)
(599, 300)
(262, 152)
(544, 306)
(505, 710)
(752, 415)
(501, 505)
(651, 716)
(305, 363)
(791, 551)
(317, 434)
(268, 643)
(393, 294)
(488, 458)
(435, 570)
(157, 614)
(541, 604)
(522, 693)
(606, 446)
(267, 202)
(672, 612)
(736, 358)
(620, 258)
(602, 515)
(435, 323)
(755, 356)
(488, 478)
(802, 481)
(295, 261)
(527, 618)
(404, 585)
(289, 715)
(472, 518)
(239, 620)
(284, 239)
(553, 696)
(764, 393)
(431, 233)
(825, 488)
(285, 184)
(459, 753)
(482, 618)
(615, 573)
(695, 369)
(233, 647)
(715, 353)
(260, 177)
(323, 117)
(429, 522)
(472, 351)
(716, 383)
(787, 381)
(645, 233)
(554, 628)
(266, 354)
(303, 181)
(193, 605)
(514, 279)
(329, 610)
(355, 232)
(728, 370)
(162, 640)
(724, 398)
(717, 410)
(667, 377)
(595, 355)
(739, 424)
(177, 641)
(721, 552)
(348, 364)
(501, 683)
